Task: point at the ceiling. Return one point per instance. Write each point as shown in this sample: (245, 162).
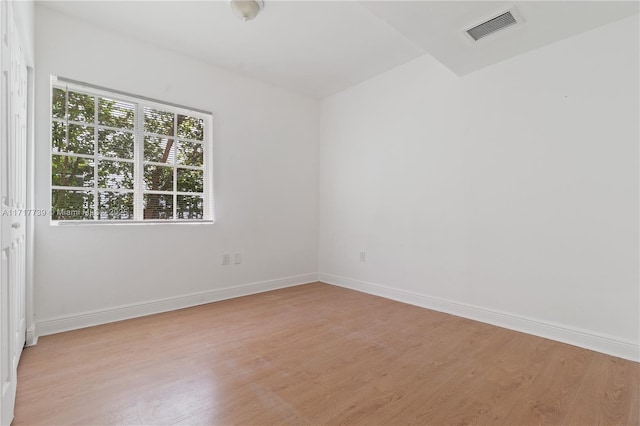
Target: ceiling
(317, 48)
(439, 27)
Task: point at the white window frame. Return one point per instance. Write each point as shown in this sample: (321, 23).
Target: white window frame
(138, 161)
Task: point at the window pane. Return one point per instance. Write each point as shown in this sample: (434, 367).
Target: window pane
(81, 107)
(71, 171)
(158, 178)
(58, 137)
(158, 206)
(160, 122)
(81, 140)
(190, 207)
(112, 143)
(190, 180)
(115, 174)
(115, 205)
(58, 103)
(71, 205)
(190, 127)
(101, 147)
(190, 153)
(116, 113)
(158, 150)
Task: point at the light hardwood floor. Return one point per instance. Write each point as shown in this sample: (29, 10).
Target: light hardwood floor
(318, 354)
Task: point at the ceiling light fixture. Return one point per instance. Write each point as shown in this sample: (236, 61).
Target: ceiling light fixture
(246, 9)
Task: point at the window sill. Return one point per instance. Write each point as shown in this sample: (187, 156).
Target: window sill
(128, 222)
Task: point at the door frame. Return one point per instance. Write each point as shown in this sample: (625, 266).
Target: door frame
(8, 19)
(30, 317)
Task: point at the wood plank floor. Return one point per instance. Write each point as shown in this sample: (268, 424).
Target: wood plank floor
(318, 354)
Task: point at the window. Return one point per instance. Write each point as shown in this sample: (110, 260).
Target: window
(117, 158)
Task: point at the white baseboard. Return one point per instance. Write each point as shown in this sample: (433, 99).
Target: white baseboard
(103, 316)
(32, 337)
(561, 333)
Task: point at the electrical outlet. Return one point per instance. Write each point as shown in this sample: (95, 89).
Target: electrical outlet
(363, 256)
(237, 258)
(226, 259)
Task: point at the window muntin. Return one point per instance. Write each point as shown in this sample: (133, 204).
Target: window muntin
(117, 158)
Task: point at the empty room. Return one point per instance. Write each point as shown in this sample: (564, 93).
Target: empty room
(248, 212)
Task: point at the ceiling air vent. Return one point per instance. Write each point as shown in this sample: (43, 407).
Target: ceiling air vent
(492, 25)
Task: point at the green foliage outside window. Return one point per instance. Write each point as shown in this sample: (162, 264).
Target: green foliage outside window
(93, 154)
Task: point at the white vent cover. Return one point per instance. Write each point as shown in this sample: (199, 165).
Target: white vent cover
(498, 23)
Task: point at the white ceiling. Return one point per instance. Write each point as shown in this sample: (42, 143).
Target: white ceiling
(439, 27)
(318, 48)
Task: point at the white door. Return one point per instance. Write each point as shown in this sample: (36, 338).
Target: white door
(13, 144)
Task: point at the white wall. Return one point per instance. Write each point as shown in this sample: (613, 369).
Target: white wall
(265, 183)
(510, 195)
(23, 12)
